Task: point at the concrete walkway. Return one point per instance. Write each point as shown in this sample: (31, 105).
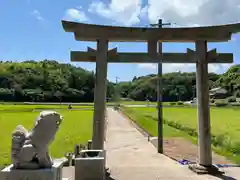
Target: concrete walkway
(131, 156)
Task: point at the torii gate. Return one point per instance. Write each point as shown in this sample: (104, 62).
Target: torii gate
(201, 57)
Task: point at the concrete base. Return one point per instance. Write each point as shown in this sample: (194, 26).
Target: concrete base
(91, 165)
(199, 169)
(54, 173)
(153, 140)
(68, 173)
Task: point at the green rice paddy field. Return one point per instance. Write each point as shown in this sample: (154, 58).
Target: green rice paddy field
(77, 125)
(75, 129)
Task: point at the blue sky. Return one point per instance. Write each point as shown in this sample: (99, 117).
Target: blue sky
(31, 29)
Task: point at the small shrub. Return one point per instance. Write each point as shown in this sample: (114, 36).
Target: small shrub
(221, 104)
(231, 99)
(194, 133)
(172, 103)
(235, 148)
(235, 104)
(219, 140)
(179, 103)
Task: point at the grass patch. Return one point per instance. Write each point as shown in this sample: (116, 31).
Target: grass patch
(178, 103)
(137, 102)
(19, 107)
(150, 125)
(75, 129)
(225, 124)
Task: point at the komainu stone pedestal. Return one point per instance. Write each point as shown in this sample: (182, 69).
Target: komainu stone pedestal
(54, 173)
(90, 165)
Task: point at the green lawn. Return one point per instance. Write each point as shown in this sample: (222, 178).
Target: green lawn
(75, 129)
(224, 122)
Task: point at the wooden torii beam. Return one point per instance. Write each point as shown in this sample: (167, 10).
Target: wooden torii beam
(126, 57)
(91, 32)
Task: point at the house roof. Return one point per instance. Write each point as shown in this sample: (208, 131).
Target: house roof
(217, 88)
(214, 90)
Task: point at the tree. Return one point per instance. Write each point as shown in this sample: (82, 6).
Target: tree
(45, 81)
(52, 81)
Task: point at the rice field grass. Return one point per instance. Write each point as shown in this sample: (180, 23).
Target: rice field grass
(75, 129)
(225, 124)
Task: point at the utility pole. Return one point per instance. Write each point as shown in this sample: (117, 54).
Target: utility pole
(117, 80)
(117, 96)
(160, 91)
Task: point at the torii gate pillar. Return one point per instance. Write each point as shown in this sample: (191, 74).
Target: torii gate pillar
(100, 95)
(204, 128)
(204, 132)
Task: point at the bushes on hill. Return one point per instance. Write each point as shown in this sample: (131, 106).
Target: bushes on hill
(221, 104)
(172, 103)
(47, 81)
(179, 103)
(53, 81)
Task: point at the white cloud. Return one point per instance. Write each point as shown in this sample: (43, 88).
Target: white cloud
(181, 12)
(189, 12)
(38, 15)
(216, 68)
(126, 12)
(149, 66)
(76, 15)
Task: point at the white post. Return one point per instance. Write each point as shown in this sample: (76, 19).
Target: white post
(100, 95)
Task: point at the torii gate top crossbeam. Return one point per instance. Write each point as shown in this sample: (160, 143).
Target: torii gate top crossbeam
(90, 32)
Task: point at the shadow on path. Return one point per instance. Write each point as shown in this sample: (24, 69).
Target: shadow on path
(224, 177)
(110, 178)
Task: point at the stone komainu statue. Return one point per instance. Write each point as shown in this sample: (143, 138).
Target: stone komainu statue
(30, 149)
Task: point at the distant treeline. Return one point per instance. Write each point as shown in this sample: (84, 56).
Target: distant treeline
(178, 86)
(50, 81)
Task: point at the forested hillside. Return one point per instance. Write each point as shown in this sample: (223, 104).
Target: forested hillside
(54, 82)
(179, 86)
(231, 80)
(46, 81)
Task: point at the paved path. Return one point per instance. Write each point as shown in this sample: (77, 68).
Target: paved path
(131, 156)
